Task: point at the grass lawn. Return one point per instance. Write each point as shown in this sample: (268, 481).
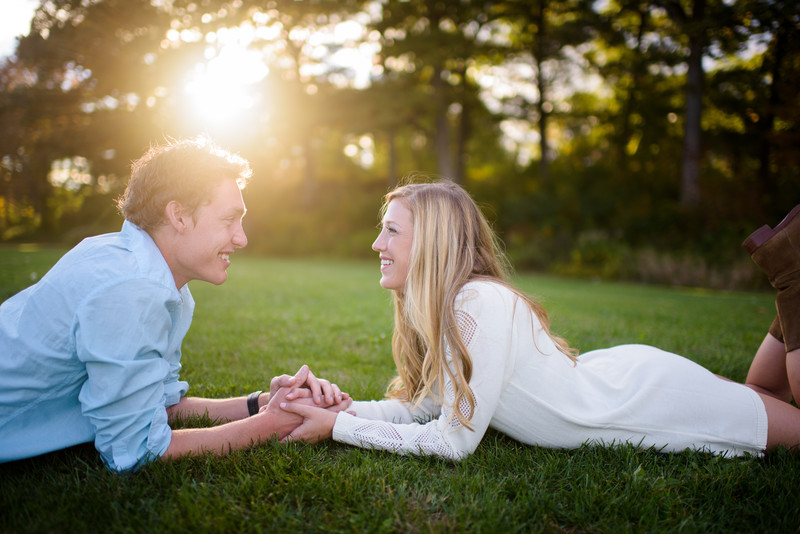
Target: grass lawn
(274, 315)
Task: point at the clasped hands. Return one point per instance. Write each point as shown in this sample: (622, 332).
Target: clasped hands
(305, 406)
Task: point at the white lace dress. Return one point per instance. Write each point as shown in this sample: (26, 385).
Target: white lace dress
(524, 387)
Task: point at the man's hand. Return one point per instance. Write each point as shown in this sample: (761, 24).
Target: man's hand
(322, 391)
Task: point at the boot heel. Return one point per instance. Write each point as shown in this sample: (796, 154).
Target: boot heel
(765, 233)
(758, 238)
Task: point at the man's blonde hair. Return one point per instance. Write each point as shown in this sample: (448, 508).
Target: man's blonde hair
(186, 171)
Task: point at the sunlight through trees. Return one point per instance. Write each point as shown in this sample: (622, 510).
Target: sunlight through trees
(628, 125)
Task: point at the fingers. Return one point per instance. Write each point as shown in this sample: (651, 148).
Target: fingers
(298, 393)
(298, 408)
(340, 406)
(313, 384)
(324, 393)
(317, 422)
(285, 381)
(301, 376)
(278, 381)
(334, 397)
(331, 394)
(336, 394)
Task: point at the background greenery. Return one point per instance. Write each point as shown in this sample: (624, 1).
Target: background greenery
(271, 316)
(638, 139)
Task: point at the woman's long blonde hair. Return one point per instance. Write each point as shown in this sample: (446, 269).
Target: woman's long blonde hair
(452, 244)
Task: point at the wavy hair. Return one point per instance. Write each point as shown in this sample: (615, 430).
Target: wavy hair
(185, 170)
(452, 244)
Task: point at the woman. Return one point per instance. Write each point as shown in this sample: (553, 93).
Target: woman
(473, 352)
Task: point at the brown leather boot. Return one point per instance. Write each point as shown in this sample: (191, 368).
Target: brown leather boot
(788, 304)
(777, 252)
(775, 329)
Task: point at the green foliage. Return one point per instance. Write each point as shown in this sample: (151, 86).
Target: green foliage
(272, 315)
(23, 265)
(457, 89)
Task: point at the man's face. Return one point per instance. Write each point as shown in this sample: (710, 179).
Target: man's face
(204, 248)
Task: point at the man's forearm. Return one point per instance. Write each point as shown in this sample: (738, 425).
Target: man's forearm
(219, 440)
(239, 434)
(232, 436)
(223, 410)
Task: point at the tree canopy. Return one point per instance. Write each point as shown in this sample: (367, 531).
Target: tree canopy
(585, 127)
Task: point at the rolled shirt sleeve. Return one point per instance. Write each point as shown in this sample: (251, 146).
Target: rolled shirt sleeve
(91, 352)
(128, 334)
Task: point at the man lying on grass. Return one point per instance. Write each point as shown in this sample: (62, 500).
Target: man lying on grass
(92, 351)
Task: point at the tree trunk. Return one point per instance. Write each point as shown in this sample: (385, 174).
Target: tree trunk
(444, 157)
(544, 161)
(392, 178)
(309, 180)
(766, 180)
(463, 132)
(631, 98)
(690, 174)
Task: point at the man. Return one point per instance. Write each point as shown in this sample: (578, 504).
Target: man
(92, 351)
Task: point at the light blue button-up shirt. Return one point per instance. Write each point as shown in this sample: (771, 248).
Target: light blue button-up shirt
(92, 353)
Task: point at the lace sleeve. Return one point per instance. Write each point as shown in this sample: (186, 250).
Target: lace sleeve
(396, 411)
(432, 438)
(444, 436)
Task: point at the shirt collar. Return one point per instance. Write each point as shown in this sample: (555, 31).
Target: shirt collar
(149, 256)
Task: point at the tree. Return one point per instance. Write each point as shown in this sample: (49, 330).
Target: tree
(755, 101)
(429, 49)
(700, 23)
(543, 32)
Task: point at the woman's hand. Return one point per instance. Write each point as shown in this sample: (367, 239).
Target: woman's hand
(317, 422)
(280, 422)
(322, 391)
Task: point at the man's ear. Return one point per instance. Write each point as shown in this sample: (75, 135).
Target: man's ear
(177, 216)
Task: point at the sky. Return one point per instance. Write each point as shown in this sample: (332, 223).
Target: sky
(15, 19)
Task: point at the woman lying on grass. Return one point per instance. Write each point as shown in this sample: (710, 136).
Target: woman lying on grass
(473, 352)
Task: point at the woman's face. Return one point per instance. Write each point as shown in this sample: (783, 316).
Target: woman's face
(394, 245)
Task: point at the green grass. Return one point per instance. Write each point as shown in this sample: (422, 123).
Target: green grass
(272, 316)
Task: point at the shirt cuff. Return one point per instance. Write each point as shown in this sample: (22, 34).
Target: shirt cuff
(345, 422)
(159, 437)
(173, 391)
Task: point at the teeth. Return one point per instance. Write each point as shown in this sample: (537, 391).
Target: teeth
(386, 262)
(225, 257)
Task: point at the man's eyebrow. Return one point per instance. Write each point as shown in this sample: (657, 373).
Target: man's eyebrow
(236, 211)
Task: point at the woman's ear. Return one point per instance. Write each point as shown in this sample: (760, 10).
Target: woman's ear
(177, 216)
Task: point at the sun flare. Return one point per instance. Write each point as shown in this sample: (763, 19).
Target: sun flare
(222, 88)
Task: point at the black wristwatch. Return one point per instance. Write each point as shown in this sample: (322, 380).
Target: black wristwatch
(252, 402)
